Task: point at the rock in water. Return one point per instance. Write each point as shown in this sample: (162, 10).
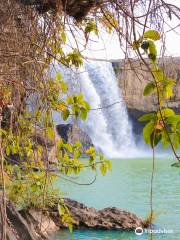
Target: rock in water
(110, 218)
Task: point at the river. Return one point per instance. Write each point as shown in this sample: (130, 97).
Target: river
(128, 187)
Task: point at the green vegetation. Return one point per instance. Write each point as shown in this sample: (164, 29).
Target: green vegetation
(164, 125)
(26, 106)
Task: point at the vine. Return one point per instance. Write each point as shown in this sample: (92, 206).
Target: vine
(163, 126)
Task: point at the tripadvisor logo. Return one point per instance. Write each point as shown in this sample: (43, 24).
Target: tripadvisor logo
(139, 231)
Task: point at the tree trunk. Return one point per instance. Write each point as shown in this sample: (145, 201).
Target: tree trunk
(18, 29)
(17, 68)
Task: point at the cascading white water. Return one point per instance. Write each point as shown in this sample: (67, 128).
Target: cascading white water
(96, 124)
(107, 123)
(114, 109)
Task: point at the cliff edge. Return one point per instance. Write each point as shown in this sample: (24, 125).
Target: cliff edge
(132, 78)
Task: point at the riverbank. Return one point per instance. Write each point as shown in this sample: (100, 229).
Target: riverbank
(33, 224)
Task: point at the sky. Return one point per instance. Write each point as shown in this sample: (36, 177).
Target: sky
(112, 48)
(107, 46)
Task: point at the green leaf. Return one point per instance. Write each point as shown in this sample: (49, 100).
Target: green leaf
(63, 37)
(173, 119)
(158, 74)
(76, 153)
(149, 88)
(155, 139)
(176, 140)
(168, 93)
(14, 149)
(78, 144)
(148, 117)
(68, 147)
(70, 226)
(152, 50)
(8, 151)
(38, 183)
(3, 132)
(109, 165)
(87, 106)
(90, 150)
(83, 114)
(91, 27)
(169, 82)
(65, 114)
(177, 164)
(164, 139)
(70, 100)
(147, 131)
(103, 169)
(50, 132)
(80, 96)
(58, 76)
(75, 99)
(167, 112)
(63, 87)
(75, 58)
(61, 209)
(152, 34)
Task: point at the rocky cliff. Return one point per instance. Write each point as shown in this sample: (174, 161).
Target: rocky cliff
(132, 78)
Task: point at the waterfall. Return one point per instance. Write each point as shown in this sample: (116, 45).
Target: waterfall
(107, 123)
(114, 109)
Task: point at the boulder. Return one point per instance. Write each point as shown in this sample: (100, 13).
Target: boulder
(71, 134)
(34, 224)
(110, 218)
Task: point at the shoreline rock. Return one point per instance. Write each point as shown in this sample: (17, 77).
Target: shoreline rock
(32, 224)
(110, 218)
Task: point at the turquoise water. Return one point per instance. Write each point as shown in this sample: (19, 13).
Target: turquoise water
(128, 187)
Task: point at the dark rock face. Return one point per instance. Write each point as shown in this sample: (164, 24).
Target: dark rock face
(137, 126)
(71, 133)
(110, 218)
